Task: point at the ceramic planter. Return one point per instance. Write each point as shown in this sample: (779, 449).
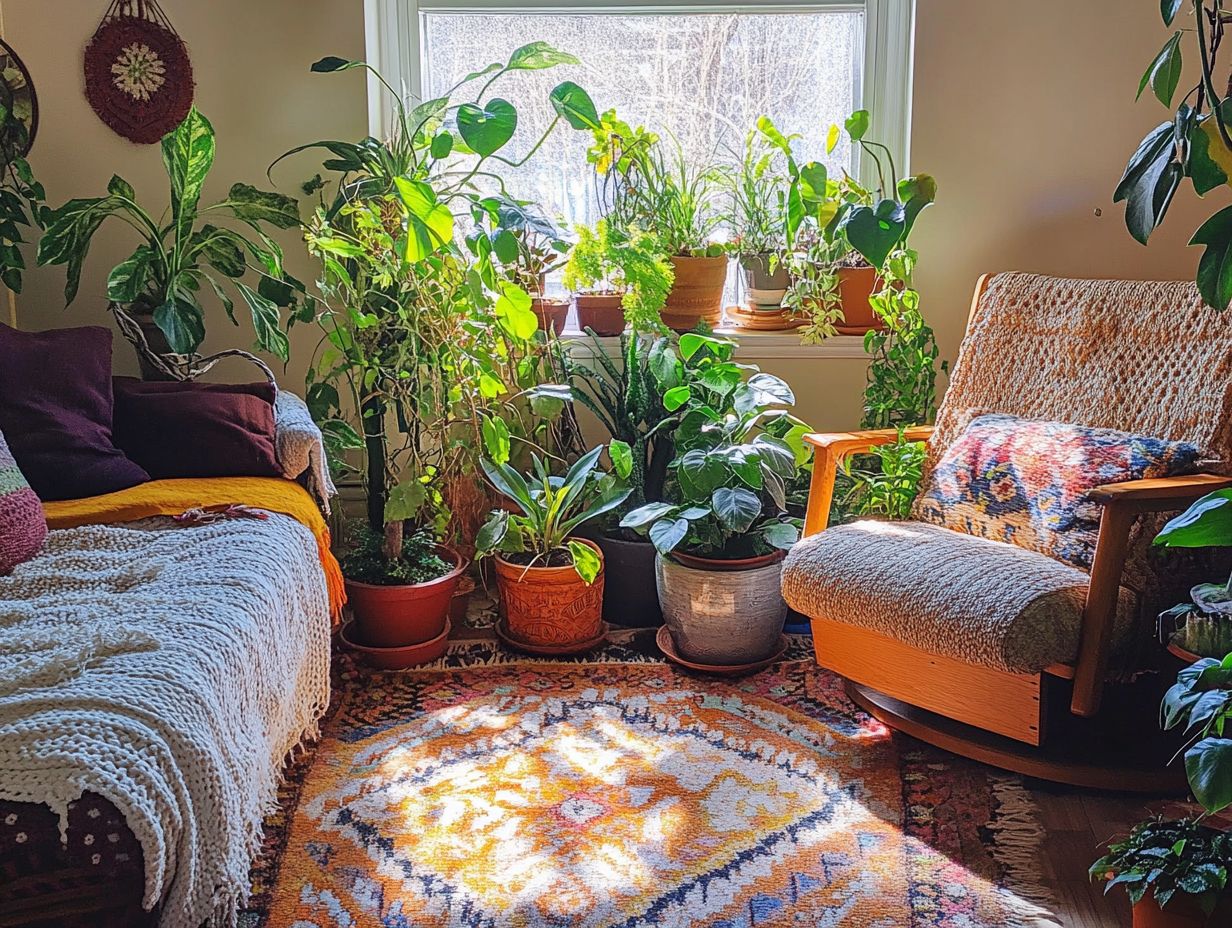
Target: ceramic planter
(409, 614)
(765, 288)
(551, 313)
(1181, 912)
(629, 595)
(855, 286)
(722, 612)
(696, 294)
(601, 312)
(550, 606)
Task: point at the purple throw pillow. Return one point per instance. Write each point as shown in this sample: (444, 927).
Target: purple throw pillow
(55, 411)
(23, 527)
(197, 429)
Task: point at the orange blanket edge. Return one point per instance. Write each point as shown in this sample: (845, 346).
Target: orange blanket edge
(174, 497)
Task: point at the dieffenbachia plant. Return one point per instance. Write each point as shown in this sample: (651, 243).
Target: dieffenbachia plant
(190, 250)
(1195, 143)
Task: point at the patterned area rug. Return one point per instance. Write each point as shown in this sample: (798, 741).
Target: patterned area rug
(493, 791)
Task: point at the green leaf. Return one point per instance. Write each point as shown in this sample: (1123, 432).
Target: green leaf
(266, 322)
(537, 56)
(332, 63)
(188, 155)
(781, 535)
(1168, 9)
(832, 138)
(513, 312)
(1207, 523)
(574, 104)
(1209, 767)
(736, 508)
(772, 134)
(442, 145)
(622, 458)
(496, 440)
(1145, 184)
(645, 515)
(510, 483)
(492, 532)
(813, 181)
(253, 205)
(857, 124)
(777, 455)
(691, 343)
(218, 247)
(429, 223)
(119, 187)
(666, 534)
(505, 244)
(586, 560)
(69, 230)
(702, 473)
(916, 193)
(1204, 170)
(1215, 268)
(127, 280)
(182, 323)
(665, 366)
(405, 500)
(1164, 72)
(341, 436)
(875, 231)
(766, 390)
(487, 128)
(676, 397)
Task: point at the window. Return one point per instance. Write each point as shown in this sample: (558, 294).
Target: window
(701, 72)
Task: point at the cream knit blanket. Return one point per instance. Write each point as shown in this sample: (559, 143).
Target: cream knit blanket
(170, 670)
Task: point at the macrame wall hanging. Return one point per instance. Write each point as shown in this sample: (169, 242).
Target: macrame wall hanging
(138, 76)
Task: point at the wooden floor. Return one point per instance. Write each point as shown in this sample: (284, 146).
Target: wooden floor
(1078, 824)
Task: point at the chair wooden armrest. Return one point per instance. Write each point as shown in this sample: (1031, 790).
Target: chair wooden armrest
(829, 450)
(1123, 503)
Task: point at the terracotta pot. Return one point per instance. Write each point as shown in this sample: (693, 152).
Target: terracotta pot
(397, 658)
(697, 293)
(729, 612)
(1181, 912)
(629, 596)
(601, 312)
(397, 616)
(551, 313)
(550, 606)
(764, 288)
(855, 286)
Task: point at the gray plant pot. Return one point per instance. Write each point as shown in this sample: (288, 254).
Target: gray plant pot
(765, 289)
(722, 617)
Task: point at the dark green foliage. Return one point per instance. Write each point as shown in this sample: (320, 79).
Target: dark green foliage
(1166, 858)
(365, 562)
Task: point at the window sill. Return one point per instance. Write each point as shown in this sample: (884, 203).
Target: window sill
(756, 346)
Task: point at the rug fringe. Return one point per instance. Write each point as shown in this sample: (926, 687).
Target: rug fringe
(1018, 838)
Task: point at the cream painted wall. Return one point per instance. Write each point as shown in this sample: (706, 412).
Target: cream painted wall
(1023, 112)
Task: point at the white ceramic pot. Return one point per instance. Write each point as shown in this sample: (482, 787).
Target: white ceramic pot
(722, 617)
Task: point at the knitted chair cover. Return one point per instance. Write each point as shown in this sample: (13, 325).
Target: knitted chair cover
(22, 525)
(1143, 357)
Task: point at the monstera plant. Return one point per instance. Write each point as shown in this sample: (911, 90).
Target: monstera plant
(1194, 142)
(161, 282)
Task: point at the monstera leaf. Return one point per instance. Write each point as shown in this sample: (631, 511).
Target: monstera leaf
(874, 231)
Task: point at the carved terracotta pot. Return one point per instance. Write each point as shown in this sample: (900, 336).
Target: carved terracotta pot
(722, 613)
(550, 606)
(697, 293)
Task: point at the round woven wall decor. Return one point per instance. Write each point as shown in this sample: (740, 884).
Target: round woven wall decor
(139, 78)
(20, 125)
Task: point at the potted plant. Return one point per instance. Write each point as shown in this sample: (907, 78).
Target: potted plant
(840, 234)
(550, 582)
(22, 198)
(155, 291)
(626, 398)
(665, 195)
(630, 273)
(755, 216)
(528, 247)
(1204, 624)
(724, 526)
(425, 338)
(1176, 872)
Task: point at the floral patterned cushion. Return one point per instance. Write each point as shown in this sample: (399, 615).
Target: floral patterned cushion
(1028, 483)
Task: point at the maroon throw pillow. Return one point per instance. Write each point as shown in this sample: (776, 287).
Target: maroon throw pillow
(55, 411)
(197, 429)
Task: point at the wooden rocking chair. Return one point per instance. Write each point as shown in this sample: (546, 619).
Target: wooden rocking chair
(1022, 688)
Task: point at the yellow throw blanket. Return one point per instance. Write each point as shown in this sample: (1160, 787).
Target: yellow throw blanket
(175, 497)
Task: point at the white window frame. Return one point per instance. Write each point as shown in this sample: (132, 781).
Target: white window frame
(394, 46)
